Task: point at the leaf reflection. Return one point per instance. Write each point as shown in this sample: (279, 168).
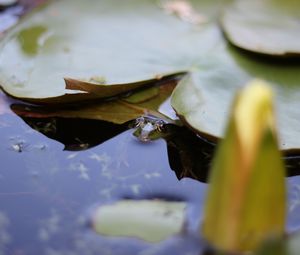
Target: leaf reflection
(189, 155)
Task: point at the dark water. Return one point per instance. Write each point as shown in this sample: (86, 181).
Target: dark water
(49, 190)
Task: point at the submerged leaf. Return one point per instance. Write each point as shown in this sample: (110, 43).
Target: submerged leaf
(143, 95)
(150, 220)
(116, 111)
(246, 197)
(264, 26)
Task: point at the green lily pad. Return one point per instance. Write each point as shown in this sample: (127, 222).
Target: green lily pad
(109, 40)
(203, 98)
(130, 44)
(264, 26)
(150, 220)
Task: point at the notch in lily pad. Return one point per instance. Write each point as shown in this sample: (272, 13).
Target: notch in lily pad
(246, 200)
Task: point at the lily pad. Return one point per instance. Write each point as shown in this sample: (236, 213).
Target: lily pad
(150, 220)
(114, 111)
(110, 41)
(203, 98)
(264, 26)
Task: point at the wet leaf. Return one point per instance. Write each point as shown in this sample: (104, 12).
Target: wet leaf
(247, 182)
(264, 26)
(150, 220)
(115, 111)
(143, 95)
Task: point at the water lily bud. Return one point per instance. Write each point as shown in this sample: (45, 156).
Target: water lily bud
(246, 197)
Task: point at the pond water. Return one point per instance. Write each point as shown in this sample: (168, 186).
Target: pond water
(51, 182)
(48, 194)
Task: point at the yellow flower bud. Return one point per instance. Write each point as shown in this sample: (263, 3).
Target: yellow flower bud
(246, 196)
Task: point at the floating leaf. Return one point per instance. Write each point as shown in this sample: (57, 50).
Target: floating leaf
(116, 111)
(264, 26)
(202, 99)
(110, 41)
(150, 220)
(246, 197)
